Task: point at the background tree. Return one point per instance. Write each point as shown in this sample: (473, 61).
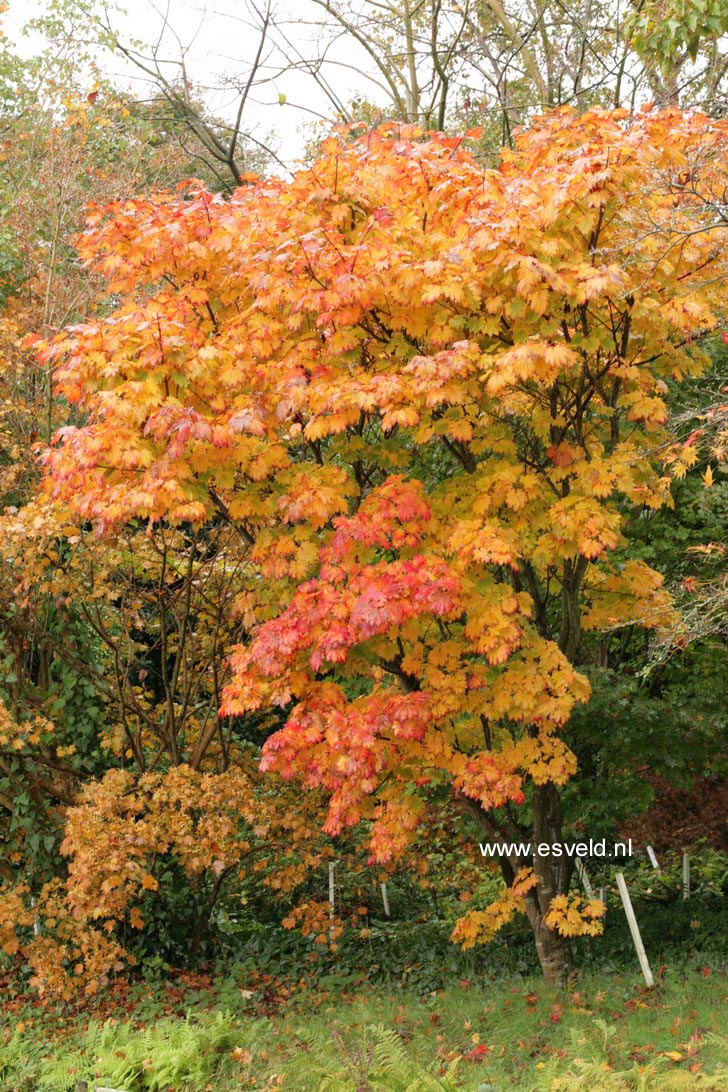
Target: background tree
(491, 63)
(67, 138)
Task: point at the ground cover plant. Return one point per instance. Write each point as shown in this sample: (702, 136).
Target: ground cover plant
(607, 1033)
(403, 1008)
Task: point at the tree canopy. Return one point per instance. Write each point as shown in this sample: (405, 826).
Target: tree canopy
(428, 397)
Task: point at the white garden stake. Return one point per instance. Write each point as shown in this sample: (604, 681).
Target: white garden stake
(686, 876)
(653, 858)
(634, 930)
(385, 900)
(36, 919)
(581, 873)
(332, 866)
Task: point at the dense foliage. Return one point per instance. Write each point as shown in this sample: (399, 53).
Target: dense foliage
(351, 520)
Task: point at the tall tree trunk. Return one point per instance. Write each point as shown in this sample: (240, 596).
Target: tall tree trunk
(554, 873)
(554, 950)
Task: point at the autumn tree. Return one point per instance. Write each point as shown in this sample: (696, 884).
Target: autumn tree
(69, 668)
(428, 397)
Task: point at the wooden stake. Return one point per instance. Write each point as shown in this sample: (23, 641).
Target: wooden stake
(653, 858)
(686, 877)
(385, 900)
(634, 930)
(36, 919)
(581, 873)
(332, 891)
(332, 894)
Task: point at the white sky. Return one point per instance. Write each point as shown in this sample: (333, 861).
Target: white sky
(220, 44)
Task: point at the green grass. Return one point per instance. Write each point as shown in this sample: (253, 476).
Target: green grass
(607, 1033)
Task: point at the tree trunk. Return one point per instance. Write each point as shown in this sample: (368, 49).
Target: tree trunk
(553, 872)
(554, 950)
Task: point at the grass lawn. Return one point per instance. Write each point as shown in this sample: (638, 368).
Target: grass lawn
(607, 1032)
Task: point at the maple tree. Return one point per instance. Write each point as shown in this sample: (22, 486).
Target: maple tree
(160, 802)
(425, 397)
(83, 624)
